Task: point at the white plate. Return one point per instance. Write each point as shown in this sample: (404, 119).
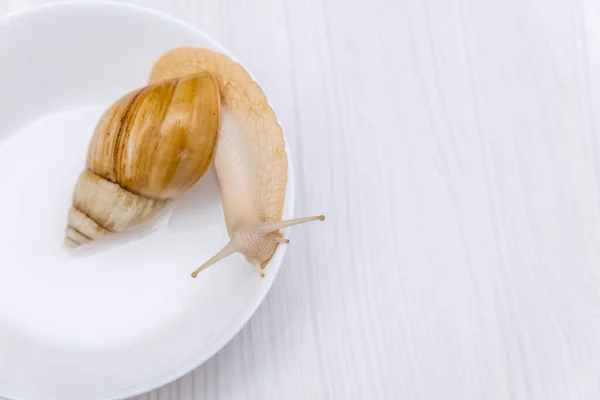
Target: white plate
(119, 322)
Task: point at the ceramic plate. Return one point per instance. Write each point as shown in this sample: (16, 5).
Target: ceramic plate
(117, 321)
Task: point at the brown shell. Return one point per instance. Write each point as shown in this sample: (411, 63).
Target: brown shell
(159, 140)
(150, 146)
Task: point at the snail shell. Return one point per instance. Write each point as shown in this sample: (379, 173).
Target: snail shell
(149, 147)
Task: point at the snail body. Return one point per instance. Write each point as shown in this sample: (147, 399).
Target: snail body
(149, 147)
(251, 161)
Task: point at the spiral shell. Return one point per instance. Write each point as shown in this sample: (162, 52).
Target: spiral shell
(149, 147)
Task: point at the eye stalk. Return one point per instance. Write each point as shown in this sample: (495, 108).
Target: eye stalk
(256, 242)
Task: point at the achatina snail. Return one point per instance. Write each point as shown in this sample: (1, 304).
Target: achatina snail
(155, 143)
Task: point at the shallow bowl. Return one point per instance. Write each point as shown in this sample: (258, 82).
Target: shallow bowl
(123, 319)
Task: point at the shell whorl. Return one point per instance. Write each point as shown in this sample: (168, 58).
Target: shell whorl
(150, 146)
(101, 207)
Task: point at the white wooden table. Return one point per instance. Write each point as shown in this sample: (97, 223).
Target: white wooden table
(454, 146)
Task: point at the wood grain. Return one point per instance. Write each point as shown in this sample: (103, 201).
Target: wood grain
(453, 146)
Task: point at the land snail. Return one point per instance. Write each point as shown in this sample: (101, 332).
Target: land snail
(157, 142)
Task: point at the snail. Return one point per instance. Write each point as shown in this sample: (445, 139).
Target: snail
(248, 151)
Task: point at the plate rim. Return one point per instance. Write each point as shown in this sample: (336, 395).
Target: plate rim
(274, 265)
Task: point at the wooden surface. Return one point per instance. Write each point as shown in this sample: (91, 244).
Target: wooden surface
(454, 147)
